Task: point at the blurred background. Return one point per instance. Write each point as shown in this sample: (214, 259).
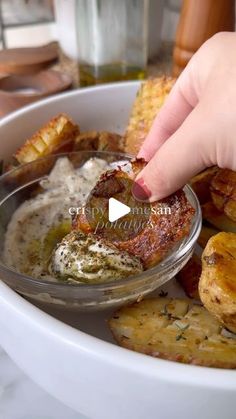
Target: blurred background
(79, 43)
(33, 22)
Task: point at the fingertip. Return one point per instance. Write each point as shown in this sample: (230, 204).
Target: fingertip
(140, 190)
(144, 153)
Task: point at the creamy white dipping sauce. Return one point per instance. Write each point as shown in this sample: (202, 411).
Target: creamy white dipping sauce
(41, 222)
(32, 221)
(98, 261)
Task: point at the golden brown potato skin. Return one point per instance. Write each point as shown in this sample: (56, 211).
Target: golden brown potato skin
(151, 244)
(223, 192)
(201, 184)
(57, 136)
(217, 286)
(149, 100)
(176, 330)
(216, 191)
(99, 141)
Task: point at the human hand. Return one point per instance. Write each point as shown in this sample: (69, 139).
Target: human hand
(196, 128)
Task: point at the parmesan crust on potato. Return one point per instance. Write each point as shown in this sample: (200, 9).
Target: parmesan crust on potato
(176, 330)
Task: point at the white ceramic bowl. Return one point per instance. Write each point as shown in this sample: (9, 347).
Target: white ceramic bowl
(82, 368)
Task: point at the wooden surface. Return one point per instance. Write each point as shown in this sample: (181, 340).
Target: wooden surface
(27, 60)
(199, 20)
(19, 90)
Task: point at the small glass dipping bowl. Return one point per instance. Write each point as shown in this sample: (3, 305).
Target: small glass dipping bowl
(17, 185)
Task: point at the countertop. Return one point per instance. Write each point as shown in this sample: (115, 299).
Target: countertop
(20, 398)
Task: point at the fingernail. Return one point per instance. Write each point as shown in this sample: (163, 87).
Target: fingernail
(140, 190)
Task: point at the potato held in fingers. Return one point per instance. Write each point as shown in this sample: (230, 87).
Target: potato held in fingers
(159, 232)
(217, 286)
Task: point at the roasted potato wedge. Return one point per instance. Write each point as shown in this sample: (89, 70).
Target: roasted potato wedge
(217, 286)
(189, 277)
(176, 330)
(223, 192)
(201, 184)
(58, 135)
(217, 218)
(149, 100)
(159, 234)
(99, 141)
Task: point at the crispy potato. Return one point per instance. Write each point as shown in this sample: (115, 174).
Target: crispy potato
(176, 330)
(217, 218)
(149, 100)
(99, 141)
(189, 276)
(201, 184)
(205, 234)
(223, 192)
(58, 135)
(151, 244)
(217, 286)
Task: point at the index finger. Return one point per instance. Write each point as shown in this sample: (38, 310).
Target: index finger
(180, 102)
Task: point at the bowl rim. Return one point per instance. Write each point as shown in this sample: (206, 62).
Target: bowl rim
(68, 94)
(160, 268)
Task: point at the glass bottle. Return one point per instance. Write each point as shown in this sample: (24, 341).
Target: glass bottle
(112, 38)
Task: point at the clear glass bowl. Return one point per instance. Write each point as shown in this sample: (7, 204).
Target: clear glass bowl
(16, 187)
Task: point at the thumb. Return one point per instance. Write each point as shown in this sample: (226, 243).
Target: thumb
(184, 154)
